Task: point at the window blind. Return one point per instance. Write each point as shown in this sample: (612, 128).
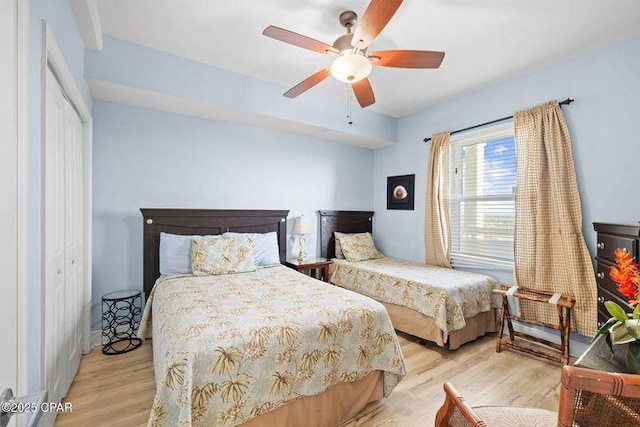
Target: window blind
(482, 200)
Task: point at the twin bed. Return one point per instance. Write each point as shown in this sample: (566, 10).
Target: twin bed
(275, 347)
(441, 305)
(261, 348)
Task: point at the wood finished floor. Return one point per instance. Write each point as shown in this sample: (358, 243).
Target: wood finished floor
(119, 390)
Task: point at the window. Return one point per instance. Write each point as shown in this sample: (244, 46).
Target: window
(482, 197)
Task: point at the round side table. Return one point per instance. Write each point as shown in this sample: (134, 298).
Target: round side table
(120, 320)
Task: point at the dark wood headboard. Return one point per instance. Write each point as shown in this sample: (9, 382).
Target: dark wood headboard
(204, 222)
(343, 222)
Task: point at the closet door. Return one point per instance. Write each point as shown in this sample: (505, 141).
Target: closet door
(54, 301)
(64, 237)
(74, 226)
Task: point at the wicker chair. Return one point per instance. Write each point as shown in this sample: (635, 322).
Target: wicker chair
(588, 398)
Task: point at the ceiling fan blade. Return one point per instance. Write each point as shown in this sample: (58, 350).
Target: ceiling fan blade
(407, 58)
(363, 92)
(297, 39)
(374, 19)
(307, 83)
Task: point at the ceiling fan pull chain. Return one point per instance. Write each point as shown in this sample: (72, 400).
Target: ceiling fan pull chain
(349, 118)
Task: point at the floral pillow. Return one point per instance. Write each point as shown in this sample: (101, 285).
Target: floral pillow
(338, 235)
(212, 255)
(358, 247)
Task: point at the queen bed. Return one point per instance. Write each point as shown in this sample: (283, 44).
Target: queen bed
(258, 348)
(442, 305)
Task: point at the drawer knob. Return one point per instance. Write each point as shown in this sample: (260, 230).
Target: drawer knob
(600, 299)
(600, 275)
(600, 245)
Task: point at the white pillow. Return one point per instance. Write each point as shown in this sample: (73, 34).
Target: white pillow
(265, 246)
(175, 254)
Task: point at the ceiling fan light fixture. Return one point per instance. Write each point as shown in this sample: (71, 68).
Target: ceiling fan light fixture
(350, 67)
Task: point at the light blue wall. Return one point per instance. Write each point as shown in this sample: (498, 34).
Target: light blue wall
(603, 123)
(150, 159)
(131, 65)
(60, 19)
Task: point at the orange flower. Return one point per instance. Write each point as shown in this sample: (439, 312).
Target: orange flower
(626, 275)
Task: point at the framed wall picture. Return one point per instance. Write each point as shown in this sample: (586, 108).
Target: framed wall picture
(400, 192)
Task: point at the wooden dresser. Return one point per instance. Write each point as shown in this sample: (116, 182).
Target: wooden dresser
(610, 238)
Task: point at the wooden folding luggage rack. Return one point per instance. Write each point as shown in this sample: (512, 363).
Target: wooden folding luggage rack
(564, 304)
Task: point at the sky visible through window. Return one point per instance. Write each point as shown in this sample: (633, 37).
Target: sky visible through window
(499, 171)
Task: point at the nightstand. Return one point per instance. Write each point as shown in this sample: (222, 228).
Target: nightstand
(120, 321)
(311, 264)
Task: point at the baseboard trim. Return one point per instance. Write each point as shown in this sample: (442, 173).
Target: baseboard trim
(96, 339)
(576, 348)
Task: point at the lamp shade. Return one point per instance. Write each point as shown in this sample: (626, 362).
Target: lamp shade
(302, 225)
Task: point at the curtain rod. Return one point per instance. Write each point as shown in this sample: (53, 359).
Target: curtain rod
(565, 102)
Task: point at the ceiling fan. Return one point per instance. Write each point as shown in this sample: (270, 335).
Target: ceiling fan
(352, 63)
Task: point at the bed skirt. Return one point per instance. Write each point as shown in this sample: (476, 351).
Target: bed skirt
(417, 324)
(333, 407)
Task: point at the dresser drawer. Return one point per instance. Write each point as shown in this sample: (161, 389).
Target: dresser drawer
(607, 245)
(603, 316)
(604, 280)
(605, 295)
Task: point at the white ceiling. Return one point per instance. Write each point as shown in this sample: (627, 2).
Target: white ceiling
(485, 40)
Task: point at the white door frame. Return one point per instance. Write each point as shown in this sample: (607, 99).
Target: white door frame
(22, 112)
(23, 202)
(53, 58)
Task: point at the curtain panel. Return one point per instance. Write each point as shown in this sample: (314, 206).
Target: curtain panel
(437, 234)
(549, 250)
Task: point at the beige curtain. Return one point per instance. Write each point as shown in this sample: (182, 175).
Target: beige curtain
(550, 252)
(437, 235)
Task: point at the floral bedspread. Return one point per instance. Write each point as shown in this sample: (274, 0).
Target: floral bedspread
(446, 295)
(228, 348)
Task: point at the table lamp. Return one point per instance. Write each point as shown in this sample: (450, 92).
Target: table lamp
(302, 226)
